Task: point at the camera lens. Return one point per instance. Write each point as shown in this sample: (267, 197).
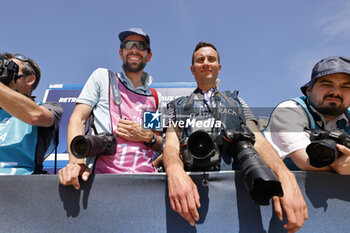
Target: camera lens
(80, 146)
(201, 145)
(322, 152)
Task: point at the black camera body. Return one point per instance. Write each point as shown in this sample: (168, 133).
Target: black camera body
(83, 146)
(322, 150)
(201, 151)
(8, 71)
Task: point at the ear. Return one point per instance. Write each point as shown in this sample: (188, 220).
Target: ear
(308, 90)
(121, 53)
(219, 68)
(149, 56)
(30, 80)
(192, 70)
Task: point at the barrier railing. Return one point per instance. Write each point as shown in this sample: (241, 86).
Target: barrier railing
(139, 203)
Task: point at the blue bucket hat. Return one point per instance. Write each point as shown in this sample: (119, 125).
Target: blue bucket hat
(134, 31)
(329, 65)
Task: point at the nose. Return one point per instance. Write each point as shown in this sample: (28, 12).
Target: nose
(133, 48)
(336, 90)
(206, 62)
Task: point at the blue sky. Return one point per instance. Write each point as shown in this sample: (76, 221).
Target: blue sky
(267, 48)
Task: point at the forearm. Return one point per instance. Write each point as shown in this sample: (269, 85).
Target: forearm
(171, 158)
(24, 108)
(76, 127)
(301, 160)
(267, 153)
(270, 157)
(171, 152)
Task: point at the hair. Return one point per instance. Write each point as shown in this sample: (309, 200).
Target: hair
(204, 44)
(29, 67)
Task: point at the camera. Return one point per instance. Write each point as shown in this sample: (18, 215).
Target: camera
(8, 70)
(201, 151)
(261, 181)
(83, 146)
(322, 150)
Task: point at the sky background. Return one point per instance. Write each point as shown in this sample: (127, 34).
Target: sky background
(267, 48)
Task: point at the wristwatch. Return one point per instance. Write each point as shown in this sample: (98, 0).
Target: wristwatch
(153, 140)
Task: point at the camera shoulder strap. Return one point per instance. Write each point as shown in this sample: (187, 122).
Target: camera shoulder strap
(91, 125)
(113, 82)
(233, 106)
(190, 99)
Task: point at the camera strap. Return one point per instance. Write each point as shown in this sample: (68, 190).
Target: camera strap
(115, 91)
(91, 125)
(233, 106)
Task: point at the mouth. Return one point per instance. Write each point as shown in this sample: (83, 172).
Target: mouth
(333, 99)
(134, 58)
(206, 71)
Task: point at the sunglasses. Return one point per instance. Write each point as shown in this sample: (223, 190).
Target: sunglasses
(24, 59)
(140, 45)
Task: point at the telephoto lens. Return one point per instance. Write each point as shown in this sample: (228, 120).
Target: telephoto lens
(83, 146)
(261, 181)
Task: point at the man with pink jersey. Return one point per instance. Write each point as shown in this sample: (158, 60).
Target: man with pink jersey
(135, 145)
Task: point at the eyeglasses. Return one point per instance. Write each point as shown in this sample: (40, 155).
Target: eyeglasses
(140, 45)
(20, 76)
(24, 59)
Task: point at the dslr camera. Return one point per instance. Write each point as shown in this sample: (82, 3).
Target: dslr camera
(201, 151)
(8, 70)
(83, 146)
(322, 150)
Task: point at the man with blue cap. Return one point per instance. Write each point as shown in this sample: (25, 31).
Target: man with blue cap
(117, 102)
(324, 107)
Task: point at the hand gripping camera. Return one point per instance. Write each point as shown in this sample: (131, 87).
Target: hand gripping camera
(83, 146)
(204, 149)
(8, 70)
(322, 150)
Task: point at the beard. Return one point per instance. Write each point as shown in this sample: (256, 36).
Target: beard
(330, 109)
(132, 67)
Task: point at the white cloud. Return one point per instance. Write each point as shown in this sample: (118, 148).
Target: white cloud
(338, 24)
(301, 66)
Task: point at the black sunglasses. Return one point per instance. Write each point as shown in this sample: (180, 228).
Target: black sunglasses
(140, 45)
(24, 59)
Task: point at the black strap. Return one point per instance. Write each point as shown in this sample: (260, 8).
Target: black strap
(56, 145)
(189, 102)
(232, 106)
(115, 91)
(91, 125)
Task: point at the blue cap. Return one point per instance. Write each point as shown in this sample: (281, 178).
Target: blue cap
(329, 65)
(134, 31)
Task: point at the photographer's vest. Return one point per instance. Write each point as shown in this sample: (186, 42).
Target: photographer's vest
(18, 142)
(130, 157)
(194, 113)
(301, 101)
(341, 124)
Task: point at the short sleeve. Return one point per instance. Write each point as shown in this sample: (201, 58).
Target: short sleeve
(286, 128)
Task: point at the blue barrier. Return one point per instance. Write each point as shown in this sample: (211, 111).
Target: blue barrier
(139, 203)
